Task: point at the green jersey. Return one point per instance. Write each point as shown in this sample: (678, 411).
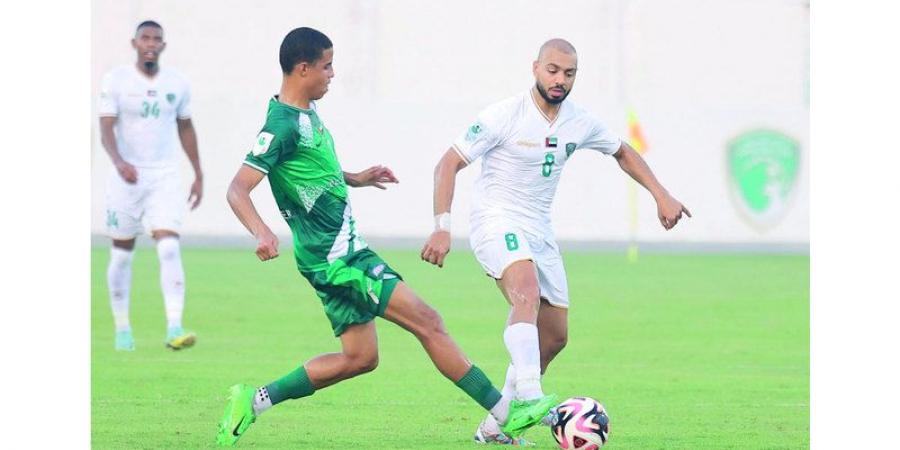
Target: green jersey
(296, 151)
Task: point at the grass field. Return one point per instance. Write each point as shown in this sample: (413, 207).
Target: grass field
(686, 352)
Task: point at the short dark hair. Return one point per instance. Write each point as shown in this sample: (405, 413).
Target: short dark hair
(302, 45)
(148, 23)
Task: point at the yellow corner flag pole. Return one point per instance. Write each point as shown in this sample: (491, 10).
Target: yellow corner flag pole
(637, 142)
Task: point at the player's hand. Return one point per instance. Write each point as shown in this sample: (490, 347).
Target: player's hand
(436, 248)
(266, 245)
(196, 193)
(669, 211)
(127, 172)
(375, 176)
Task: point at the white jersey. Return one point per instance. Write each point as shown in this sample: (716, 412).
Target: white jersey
(146, 108)
(522, 155)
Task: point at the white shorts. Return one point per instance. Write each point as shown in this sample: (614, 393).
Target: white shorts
(157, 200)
(497, 246)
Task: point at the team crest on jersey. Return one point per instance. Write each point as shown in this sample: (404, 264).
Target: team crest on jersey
(570, 148)
(262, 143)
(170, 97)
(473, 131)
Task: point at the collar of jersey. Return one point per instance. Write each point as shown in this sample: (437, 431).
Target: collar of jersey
(311, 110)
(144, 77)
(538, 108)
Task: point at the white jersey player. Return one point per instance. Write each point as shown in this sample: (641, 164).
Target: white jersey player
(523, 143)
(145, 114)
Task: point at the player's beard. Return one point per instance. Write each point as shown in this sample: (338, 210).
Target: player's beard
(548, 98)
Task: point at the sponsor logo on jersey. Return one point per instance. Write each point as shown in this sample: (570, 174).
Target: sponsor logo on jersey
(550, 142)
(525, 143)
(286, 213)
(762, 166)
(570, 147)
(262, 143)
(151, 93)
(170, 97)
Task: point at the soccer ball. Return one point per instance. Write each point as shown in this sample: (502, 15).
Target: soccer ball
(580, 423)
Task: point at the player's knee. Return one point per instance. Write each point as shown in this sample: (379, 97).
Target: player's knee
(431, 323)
(364, 363)
(527, 299)
(359, 362)
(168, 249)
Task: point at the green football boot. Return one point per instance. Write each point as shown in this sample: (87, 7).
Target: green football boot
(124, 341)
(238, 415)
(525, 413)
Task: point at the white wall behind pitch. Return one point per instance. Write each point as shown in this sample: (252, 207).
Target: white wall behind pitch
(411, 75)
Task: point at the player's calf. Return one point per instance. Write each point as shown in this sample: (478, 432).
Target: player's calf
(551, 346)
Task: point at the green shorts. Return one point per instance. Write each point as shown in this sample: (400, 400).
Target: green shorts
(354, 289)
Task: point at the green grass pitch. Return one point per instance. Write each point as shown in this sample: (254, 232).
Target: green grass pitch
(685, 351)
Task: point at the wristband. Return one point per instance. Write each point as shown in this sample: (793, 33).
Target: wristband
(442, 222)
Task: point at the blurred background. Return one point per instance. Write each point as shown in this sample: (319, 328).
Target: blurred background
(717, 90)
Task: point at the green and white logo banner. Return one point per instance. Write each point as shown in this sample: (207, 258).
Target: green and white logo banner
(763, 166)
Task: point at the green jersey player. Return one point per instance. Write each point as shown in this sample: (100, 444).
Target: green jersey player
(296, 152)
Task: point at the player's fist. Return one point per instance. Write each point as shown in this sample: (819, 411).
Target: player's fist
(436, 248)
(669, 211)
(127, 172)
(266, 245)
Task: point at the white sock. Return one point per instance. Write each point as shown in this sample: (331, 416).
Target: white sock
(118, 280)
(171, 278)
(261, 401)
(490, 425)
(522, 342)
(509, 386)
(500, 411)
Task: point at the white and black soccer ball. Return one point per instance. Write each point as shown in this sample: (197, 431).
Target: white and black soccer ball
(580, 423)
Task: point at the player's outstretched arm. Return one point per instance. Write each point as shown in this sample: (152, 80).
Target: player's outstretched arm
(188, 138)
(668, 209)
(373, 176)
(438, 244)
(108, 139)
(239, 198)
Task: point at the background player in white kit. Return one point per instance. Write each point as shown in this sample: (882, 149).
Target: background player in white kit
(144, 113)
(524, 142)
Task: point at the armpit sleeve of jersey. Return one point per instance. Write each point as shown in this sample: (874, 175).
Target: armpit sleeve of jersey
(184, 106)
(602, 139)
(483, 135)
(109, 105)
(266, 152)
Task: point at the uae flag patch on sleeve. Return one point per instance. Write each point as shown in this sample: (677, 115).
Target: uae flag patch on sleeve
(550, 142)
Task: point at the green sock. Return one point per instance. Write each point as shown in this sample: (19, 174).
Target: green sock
(293, 385)
(477, 385)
